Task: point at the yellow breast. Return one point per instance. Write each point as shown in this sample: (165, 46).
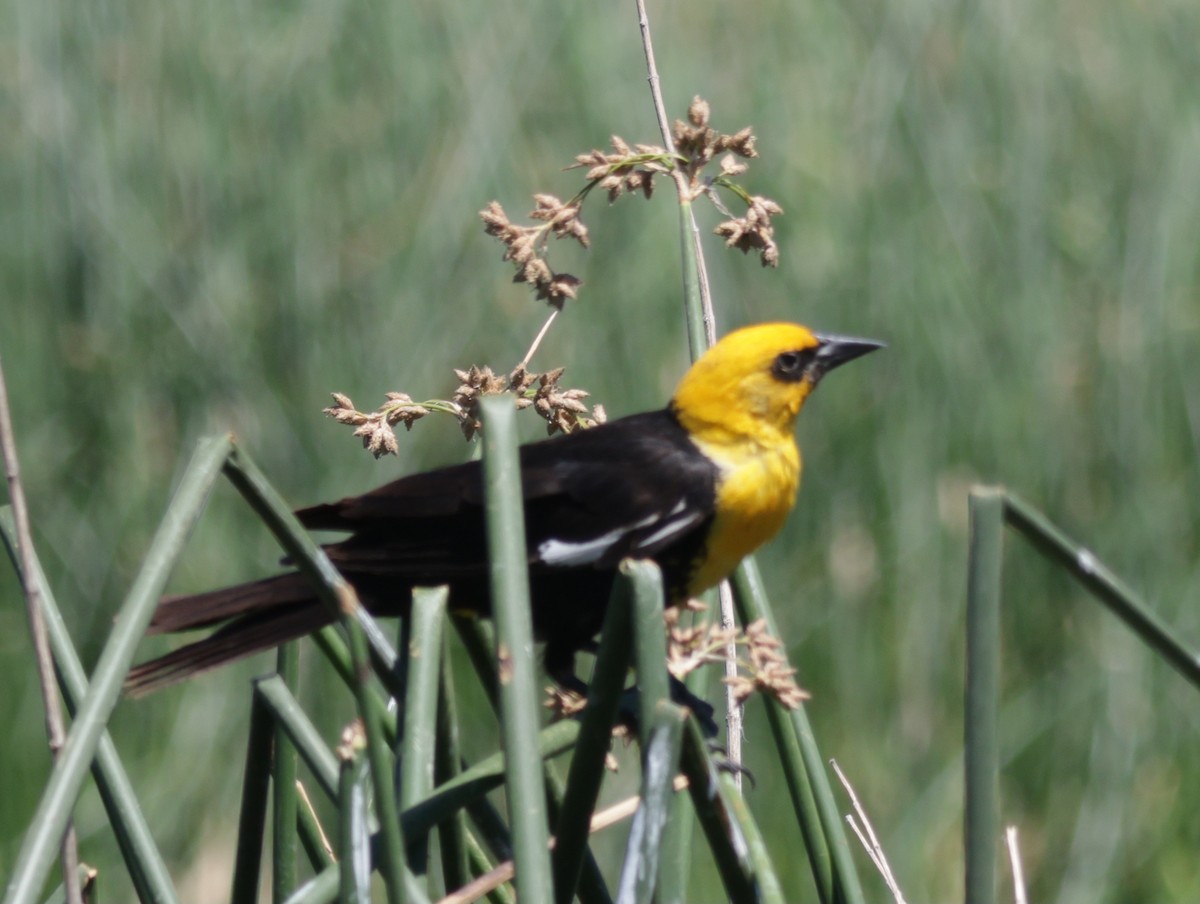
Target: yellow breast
(755, 492)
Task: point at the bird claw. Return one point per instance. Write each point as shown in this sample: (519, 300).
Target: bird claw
(720, 758)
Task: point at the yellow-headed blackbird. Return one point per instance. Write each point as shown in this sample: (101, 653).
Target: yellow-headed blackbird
(695, 486)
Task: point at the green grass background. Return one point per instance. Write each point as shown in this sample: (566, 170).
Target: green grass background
(215, 213)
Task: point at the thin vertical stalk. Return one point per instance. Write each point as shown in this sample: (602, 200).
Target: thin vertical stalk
(354, 835)
(701, 322)
(675, 849)
(423, 653)
(639, 873)
(392, 860)
(480, 647)
(980, 822)
(514, 648)
(283, 788)
(766, 880)
(420, 707)
(51, 707)
(148, 872)
(58, 798)
(477, 643)
(696, 300)
(595, 735)
(331, 643)
(290, 716)
(725, 839)
(803, 769)
(649, 642)
(252, 817)
(452, 833)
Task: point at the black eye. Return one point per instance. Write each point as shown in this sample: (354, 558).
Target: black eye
(790, 366)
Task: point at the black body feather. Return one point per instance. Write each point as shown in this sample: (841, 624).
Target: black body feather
(635, 487)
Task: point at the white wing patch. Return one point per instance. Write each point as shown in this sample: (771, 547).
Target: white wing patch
(670, 528)
(562, 552)
(584, 552)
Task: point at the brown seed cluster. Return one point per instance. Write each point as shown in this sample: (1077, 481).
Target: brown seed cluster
(525, 246)
(699, 143)
(375, 427)
(769, 671)
(564, 702)
(763, 668)
(353, 740)
(474, 384)
(754, 230)
(563, 409)
(628, 170)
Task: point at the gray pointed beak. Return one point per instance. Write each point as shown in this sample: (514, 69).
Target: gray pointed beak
(834, 351)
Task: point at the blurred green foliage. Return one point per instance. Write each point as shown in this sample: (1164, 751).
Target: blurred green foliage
(215, 213)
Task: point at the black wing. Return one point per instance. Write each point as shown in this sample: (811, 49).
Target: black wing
(635, 487)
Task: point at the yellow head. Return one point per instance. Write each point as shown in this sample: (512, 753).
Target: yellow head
(753, 383)
(738, 404)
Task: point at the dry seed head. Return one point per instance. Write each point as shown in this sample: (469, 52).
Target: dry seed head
(564, 702)
(343, 411)
(547, 206)
(698, 111)
(754, 230)
(731, 166)
(562, 287)
(378, 437)
(741, 143)
(353, 740)
(614, 184)
(495, 220)
(535, 271)
(522, 248)
(520, 379)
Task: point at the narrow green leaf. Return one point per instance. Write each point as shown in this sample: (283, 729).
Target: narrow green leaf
(40, 847)
(252, 817)
(290, 715)
(660, 765)
(649, 642)
(354, 834)
(515, 655)
(452, 833)
(147, 871)
(283, 788)
(725, 839)
(1103, 584)
(980, 820)
(595, 737)
(808, 782)
(420, 707)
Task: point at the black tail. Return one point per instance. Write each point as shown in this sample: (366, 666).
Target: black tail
(202, 610)
(258, 616)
